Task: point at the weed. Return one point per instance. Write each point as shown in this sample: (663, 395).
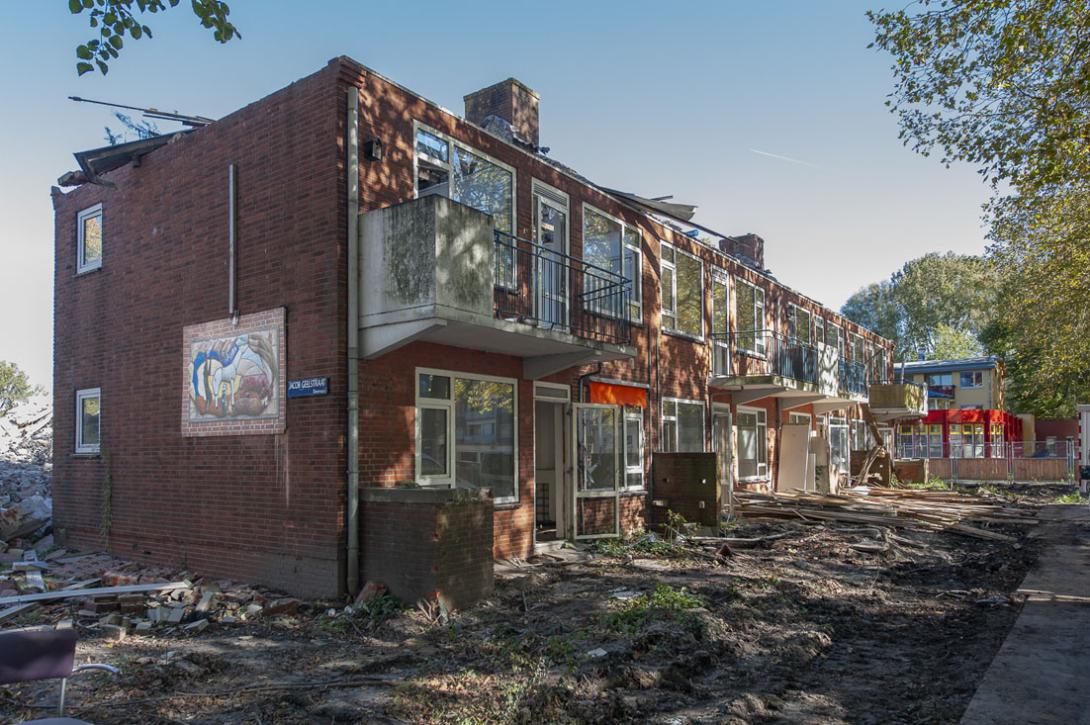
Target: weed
(664, 603)
(642, 544)
(1072, 498)
(932, 484)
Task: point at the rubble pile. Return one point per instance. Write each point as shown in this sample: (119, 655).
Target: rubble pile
(99, 593)
(26, 503)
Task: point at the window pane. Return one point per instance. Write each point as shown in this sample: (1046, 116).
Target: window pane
(486, 187)
(747, 445)
(433, 442)
(744, 317)
(484, 436)
(690, 295)
(597, 449)
(431, 145)
(92, 238)
(434, 386)
(89, 414)
(668, 291)
(690, 427)
(719, 306)
(633, 441)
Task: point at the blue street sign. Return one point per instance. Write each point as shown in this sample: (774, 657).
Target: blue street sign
(308, 387)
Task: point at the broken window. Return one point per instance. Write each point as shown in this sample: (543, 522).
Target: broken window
(612, 246)
(750, 317)
(466, 433)
(88, 420)
(450, 169)
(682, 426)
(752, 426)
(89, 234)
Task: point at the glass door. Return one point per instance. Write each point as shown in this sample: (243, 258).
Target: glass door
(598, 462)
(551, 263)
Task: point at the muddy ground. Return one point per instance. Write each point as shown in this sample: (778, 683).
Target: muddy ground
(827, 623)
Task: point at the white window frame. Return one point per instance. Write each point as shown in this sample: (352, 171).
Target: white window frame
(674, 329)
(841, 343)
(81, 447)
(82, 265)
(762, 440)
(636, 415)
(562, 392)
(799, 418)
(677, 427)
(636, 292)
(862, 348)
(758, 319)
(451, 141)
(721, 338)
(974, 374)
(842, 422)
(451, 478)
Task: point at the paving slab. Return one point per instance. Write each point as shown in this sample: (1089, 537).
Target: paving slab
(1040, 673)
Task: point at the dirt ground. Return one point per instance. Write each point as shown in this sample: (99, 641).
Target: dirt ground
(826, 623)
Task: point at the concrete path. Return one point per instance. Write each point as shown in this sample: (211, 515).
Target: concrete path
(1042, 672)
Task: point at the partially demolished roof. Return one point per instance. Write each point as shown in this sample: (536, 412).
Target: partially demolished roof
(96, 162)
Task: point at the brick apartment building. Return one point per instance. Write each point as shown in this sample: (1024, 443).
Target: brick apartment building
(264, 325)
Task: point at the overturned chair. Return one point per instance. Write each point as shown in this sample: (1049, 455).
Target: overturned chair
(27, 655)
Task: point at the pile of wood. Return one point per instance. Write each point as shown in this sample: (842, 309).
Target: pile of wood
(891, 507)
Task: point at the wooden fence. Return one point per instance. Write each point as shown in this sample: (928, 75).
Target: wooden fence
(1000, 469)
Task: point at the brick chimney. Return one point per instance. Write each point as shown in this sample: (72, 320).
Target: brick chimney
(749, 247)
(511, 100)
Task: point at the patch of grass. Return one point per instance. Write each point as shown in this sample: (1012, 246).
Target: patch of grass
(932, 484)
(665, 602)
(1070, 498)
(643, 544)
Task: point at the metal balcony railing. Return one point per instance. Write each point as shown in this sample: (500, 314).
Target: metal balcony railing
(852, 376)
(555, 291)
(764, 352)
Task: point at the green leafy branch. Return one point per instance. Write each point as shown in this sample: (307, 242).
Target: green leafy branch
(116, 19)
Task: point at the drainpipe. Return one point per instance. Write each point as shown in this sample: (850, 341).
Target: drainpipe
(232, 214)
(352, 165)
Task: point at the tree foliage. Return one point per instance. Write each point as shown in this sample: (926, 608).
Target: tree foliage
(14, 386)
(936, 305)
(117, 19)
(1000, 84)
(1005, 85)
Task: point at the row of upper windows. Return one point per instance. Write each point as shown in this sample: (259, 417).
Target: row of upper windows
(967, 379)
(450, 168)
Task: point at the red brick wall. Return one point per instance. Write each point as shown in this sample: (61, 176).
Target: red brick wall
(267, 508)
(422, 547)
(388, 420)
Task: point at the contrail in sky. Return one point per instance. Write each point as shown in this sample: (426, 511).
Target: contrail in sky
(785, 158)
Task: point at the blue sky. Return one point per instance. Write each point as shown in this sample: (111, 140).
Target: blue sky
(694, 99)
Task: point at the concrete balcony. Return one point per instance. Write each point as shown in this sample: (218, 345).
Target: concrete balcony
(890, 401)
(758, 364)
(434, 270)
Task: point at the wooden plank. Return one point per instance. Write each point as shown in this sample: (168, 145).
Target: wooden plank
(99, 592)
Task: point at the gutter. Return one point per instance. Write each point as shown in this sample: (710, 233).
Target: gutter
(352, 166)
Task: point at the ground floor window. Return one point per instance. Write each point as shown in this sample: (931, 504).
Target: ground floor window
(839, 445)
(967, 440)
(466, 432)
(88, 416)
(752, 426)
(682, 426)
(633, 449)
(798, 418)
(860, 435)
